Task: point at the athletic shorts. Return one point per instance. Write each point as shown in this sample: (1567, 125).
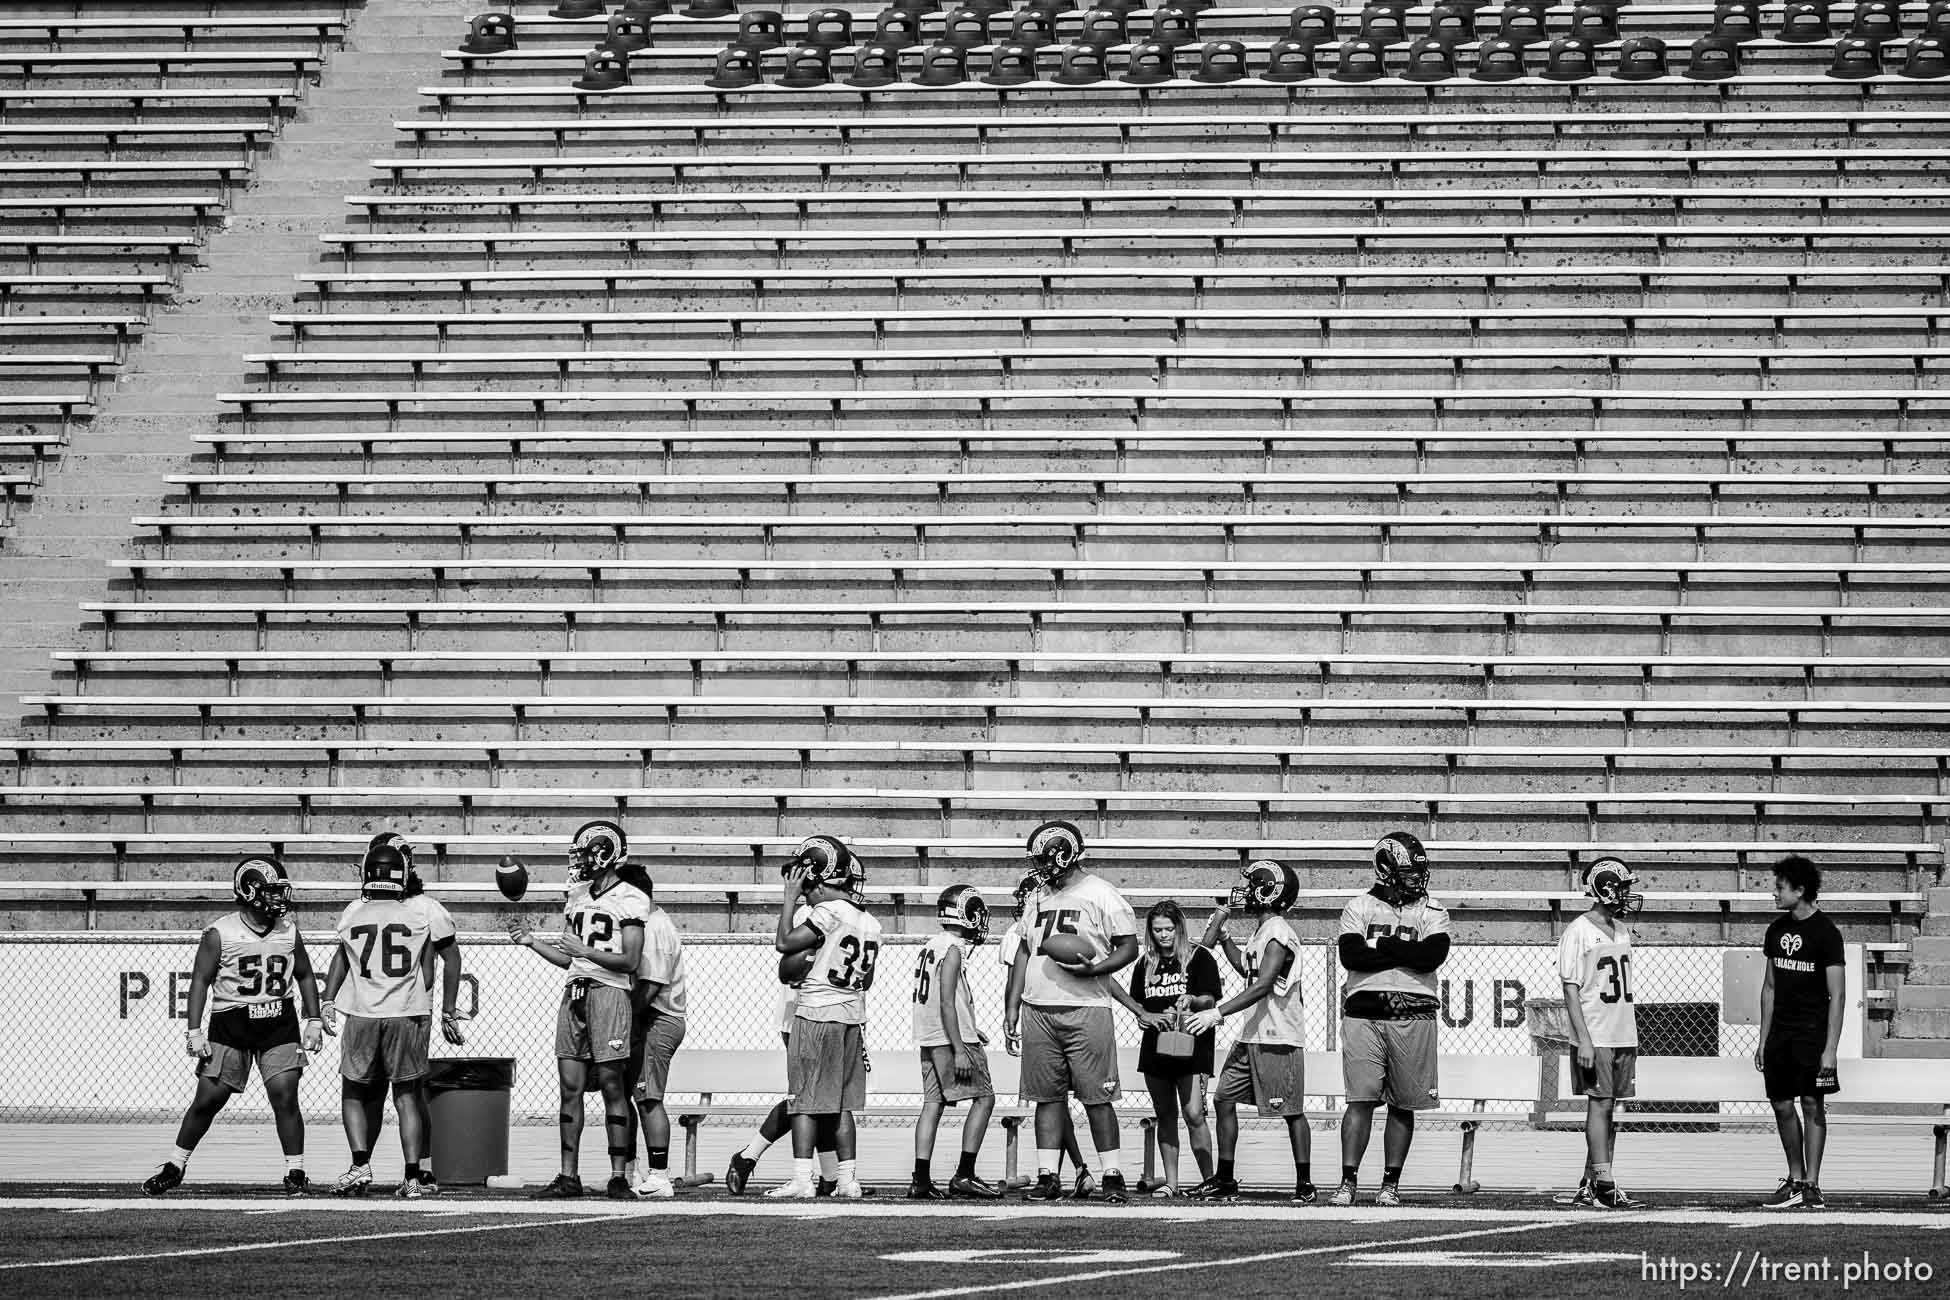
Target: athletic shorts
(1614, 1073)
(1391, 1061)
(1266, 1075)
(593, 1023)
(654, 1039)
(231, 1066)
(381, 1049)
(1066, 1050)
(1789, 1063)
(938, 1081)
(825, 1068)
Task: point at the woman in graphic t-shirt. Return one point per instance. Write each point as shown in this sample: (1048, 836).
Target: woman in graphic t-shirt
(1173, 977)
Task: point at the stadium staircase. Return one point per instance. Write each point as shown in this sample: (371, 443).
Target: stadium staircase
(1549, 467)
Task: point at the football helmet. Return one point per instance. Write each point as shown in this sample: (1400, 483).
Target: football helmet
(262, 885)
(962, 907)
(1401, 868)
(830, 863)
(383, 871)
(1264, 886)
(1613, 883)
(1055, 850)
(414, 885)
(597, 847)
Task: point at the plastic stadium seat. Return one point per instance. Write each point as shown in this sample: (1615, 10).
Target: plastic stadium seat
(807, 66)
(709, 8)
(760, 29)
(1855, 57)
(645, 9)
(577, 9)
(1430, 60)
(1290, 61)
(1312, 25)
(1033, 29)
(1641, 58)
(897, 28)
(604, 69)
(966, 28)
(737, 67)
(1877, 19)
(1713, 58)
(1103, 28)
(1175, 26)
(1384, 24)
(1220, 63)
(829, 29)
(1498, 59)
(627, 32)
(1738, 20)
(1523, 23)
(1361, 59)
(1594, 24)
(1150, 63)
(1804, 22)
(1081, 65)
(490, 34)
(1926, 56)
(1012, 64)
(1452, 24)
(1571, 58)
(875, 65)
(943, 65)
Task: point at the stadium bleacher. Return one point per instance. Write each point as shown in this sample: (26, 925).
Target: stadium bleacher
(1547, 458)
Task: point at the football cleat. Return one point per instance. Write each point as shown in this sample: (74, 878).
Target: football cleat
(848, 1189)
(1305, 1194)
(1615, 1197)
(1048, 1187)
(654, 1187)
(356, 1181)
(1389, 1197)
(167, 1178)
(412, 1189)
(974, 1187)
(1114, 1193)
(618, 1188)
(1343, 1196)
(1585, 1197)
(1164, 1192)
(738, 1174)
(793, 1191)
(919, 1190)
(825, 1187)
(428, 1187)
(563, 1187)
(295, 1182)
(1216, 1188)
(1788, 1196)
(1086, 1184)
(1811, 1198)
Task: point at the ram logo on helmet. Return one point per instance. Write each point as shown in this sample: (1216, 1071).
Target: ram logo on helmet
(1264, 887)
(1401, 868)
(1614, 884)
(1055, 851)
(597, 847)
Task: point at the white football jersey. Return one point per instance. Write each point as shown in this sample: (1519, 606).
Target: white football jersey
(255, 969)
(1371, 918)
(388, 945)
(930, 1029)
(599, 921)
(662, 963)
(1275, 1019)
(836, 987)
(1090, 907)
(1012, 942)
(1600, 964)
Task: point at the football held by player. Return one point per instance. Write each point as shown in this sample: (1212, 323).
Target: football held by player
(1081, 929)
(826, 1057)
(1594, 962)
(1392, 941)
(248, 965)
(600, 948)
(954, 1060)
(380, 980)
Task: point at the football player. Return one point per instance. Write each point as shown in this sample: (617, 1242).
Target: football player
(826, 1057)
(1594, 961)
(1068, 1040)
(601, 948)
(1267, 1066)
(1012, 954)
(248, 965)
(1802, 998)
(1393, 940)
(658, 1005)
(954, 1065)
(379, 981)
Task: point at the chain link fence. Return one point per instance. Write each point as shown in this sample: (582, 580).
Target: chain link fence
(106, 1013)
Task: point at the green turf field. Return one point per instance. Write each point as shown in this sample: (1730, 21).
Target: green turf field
(109, 1243)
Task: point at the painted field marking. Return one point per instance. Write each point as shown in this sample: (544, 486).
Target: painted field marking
(1488, 1259)
(1054, 1257)
(242, 1247)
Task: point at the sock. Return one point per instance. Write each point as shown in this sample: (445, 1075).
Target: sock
(848, 1172)
(1601, 1175)
(360, 1159)
(412, 1171)
(829, 1165)
(659, 1159)
(802, 1171)
(180, 1157)
(756, 1149)
(922, 1173)
(1391, 1175)
(1350, 1174)
(1225, 1171)
(1303, 1172)
(1107, 1163)
(1048, 1161)
(965, 1167)
(294, 1162)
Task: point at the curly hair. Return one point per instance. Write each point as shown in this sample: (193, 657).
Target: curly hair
(1797, 872)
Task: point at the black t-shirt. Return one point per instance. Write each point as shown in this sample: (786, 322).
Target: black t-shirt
(1800, 953)
(1157, 984)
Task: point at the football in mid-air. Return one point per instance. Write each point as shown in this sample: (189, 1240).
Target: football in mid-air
(511, 878)
(1068, 949)
(795, 966)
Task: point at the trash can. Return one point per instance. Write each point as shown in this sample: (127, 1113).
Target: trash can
(468, 1097)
